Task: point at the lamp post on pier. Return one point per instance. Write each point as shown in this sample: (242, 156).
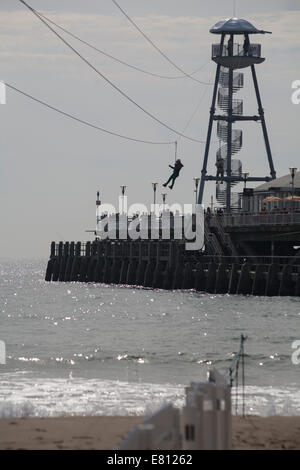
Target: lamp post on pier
(164, 195)
(196, 181)
(293, 172)
(154, 186)
(245, 177)
(123, 188)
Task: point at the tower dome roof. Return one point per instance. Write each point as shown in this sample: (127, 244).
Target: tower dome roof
(235, 26)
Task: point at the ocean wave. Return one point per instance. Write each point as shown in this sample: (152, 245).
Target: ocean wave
(31, 397)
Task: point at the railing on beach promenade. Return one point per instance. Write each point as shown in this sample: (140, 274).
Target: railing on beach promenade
(204, 422)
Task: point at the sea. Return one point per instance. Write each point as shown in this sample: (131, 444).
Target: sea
(95, 349)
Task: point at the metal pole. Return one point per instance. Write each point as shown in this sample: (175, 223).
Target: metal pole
(154, 185)
(196, 190)
(243, 339)
(210, 124)
(293, 172)
(263, 123)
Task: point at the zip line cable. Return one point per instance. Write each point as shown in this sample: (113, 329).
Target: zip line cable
(134, 67)
(156, 47)
(194, 113)
(152, 116)
(86, 123)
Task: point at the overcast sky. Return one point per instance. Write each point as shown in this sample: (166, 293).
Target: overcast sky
(51, 167)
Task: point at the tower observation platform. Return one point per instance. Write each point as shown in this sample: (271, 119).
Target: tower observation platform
(236, 55)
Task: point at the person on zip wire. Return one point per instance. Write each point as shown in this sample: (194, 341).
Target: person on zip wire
(176, 169)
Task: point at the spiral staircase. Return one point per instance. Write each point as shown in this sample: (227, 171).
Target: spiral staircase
(222, 133)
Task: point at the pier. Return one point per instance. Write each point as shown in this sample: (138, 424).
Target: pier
(167, 265)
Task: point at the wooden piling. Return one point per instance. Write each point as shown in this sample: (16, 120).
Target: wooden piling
(234, 277)
(244, 285)
(200, 280)
(49, 269)
(187, 282)
(148, 279)
(123, 272)
(211, 278)
(259, 281)
(75, 269)
(272, 286)
(55, 273)
(91, 269)
(297, 283)
(222, 282)
(131, 272)
(168, 276)
(287, 286)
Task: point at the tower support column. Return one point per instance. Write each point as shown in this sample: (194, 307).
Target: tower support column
(210, 124)
(263, 123)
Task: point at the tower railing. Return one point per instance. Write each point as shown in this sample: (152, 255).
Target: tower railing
(237, 50)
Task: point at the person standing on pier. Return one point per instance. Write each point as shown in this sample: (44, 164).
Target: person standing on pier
(177, 167)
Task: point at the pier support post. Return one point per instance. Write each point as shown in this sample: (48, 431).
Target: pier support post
(187, 282)
(83, 269)
(234, 277)
(272, 286)
(221, 280)
(91, 269)
(131, 272)
(98, 274)
(244, 286)
(148, 279)
(287, 286)
(56, 265)
(49, 269)
(177, 280)
(52, 250)
(200, 280)
(297, 285)
(211, 278)
(123, 272)
(259, 282)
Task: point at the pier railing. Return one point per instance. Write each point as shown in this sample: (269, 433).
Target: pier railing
(293, 261)
(239, 220)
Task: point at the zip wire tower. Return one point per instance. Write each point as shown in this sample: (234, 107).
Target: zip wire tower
(230, 56)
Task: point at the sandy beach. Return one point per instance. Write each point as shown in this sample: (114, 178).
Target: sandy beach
(106, 433)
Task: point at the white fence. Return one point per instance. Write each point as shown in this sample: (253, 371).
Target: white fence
(204, 423)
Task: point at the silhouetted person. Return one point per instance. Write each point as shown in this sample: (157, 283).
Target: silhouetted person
(246, 45)
(177, 167)
(230, 46)
(220, 170)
